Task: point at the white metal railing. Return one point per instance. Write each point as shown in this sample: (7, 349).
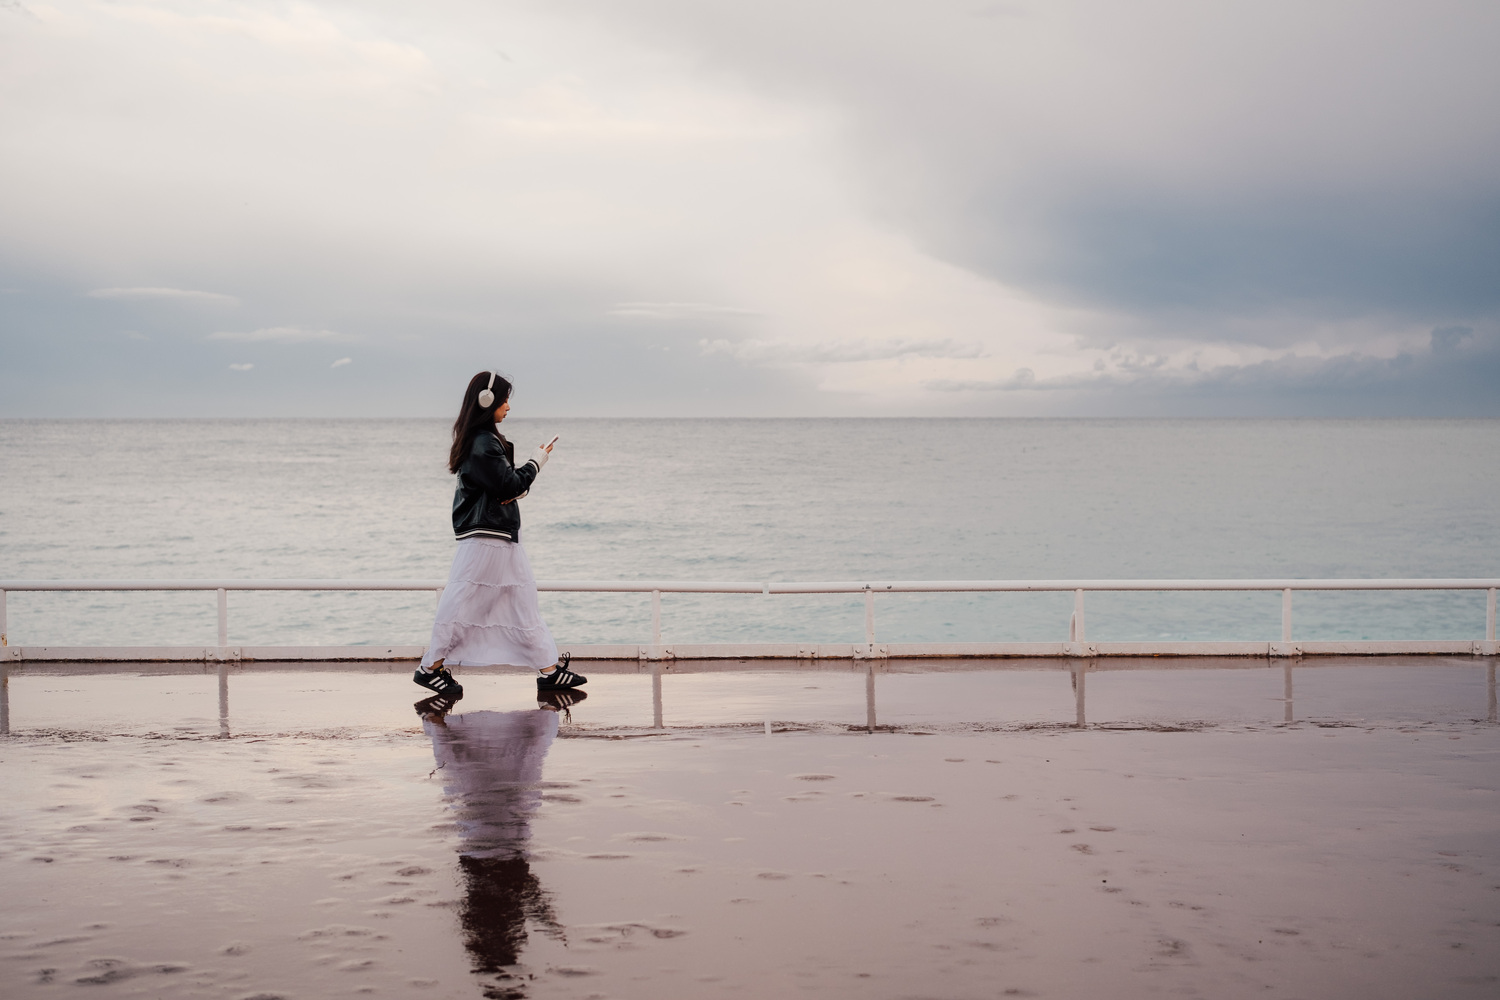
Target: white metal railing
(1076, 630)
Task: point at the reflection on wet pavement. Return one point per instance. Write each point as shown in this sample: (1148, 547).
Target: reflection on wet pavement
(1270, 828)
(491, 766)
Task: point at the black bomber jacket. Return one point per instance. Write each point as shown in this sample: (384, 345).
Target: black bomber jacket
(489, 484)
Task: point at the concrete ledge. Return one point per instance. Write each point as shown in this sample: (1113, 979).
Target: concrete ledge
(207, 654)
(768, 651)
(1449, 647)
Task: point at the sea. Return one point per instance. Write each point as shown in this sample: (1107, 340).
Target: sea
(758, 500)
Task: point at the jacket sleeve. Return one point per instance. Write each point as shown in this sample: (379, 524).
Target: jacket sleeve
(491, 471)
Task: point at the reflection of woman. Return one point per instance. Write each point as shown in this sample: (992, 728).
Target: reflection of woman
(488, 613)
(491, 763)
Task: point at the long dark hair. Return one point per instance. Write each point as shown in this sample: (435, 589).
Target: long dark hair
(474, 419)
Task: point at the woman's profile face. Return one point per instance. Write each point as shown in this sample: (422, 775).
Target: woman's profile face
(501, 411)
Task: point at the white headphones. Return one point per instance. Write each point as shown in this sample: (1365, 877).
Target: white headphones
(487, 394)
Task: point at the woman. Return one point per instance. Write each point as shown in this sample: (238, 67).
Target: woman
(488, 612)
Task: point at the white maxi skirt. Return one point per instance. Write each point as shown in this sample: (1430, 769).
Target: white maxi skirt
(488, 613)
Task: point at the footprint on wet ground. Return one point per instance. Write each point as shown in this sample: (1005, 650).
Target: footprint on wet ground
(102, 971)
(340, 931)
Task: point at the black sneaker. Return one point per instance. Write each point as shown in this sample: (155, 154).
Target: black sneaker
(560, 700)
(439, 680)
(560, 679)
(436, 707)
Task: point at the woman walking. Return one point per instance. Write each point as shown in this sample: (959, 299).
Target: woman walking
(488, 613)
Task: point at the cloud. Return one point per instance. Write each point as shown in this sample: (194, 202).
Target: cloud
(1447, 339)
(341, 362)
(770, 352)
(1024, 378)
(679, 311)
(167, 294)
(16, 7)
(1460, 364)
(242, 366)
(280, 334)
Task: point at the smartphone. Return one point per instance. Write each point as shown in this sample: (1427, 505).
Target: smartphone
(549, 444)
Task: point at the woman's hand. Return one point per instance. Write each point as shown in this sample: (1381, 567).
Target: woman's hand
(543, 452)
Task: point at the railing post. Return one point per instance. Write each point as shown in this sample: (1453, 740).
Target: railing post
(1080, 677)
(223, 701)
(223, 619)
(656, 618)
(656, 722)
(1491, 678)
(1489, 614)
(1286, 615)
(1076, 633)
(5, 632)
(869, 616)
(870, 694)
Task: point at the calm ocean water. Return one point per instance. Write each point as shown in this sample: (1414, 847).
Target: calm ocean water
(756, 500)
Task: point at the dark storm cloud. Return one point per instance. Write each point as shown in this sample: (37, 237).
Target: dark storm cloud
(1148, 252)
(1184, 162)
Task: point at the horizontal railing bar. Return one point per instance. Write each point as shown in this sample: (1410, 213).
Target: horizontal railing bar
(105, 585)
(647, 586)
(961, 586)
(580, 586)
(725, 587)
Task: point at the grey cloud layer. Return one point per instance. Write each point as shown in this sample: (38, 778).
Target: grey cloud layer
(167, 294)
(1445, 379)
(772, 353)
(279, 334)
(1336, 158)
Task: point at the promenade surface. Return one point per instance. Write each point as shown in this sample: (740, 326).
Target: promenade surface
(749, 830)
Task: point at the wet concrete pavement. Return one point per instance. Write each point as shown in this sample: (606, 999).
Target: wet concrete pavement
(1187, 840)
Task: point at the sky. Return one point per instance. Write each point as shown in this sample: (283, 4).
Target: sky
(708, 208)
